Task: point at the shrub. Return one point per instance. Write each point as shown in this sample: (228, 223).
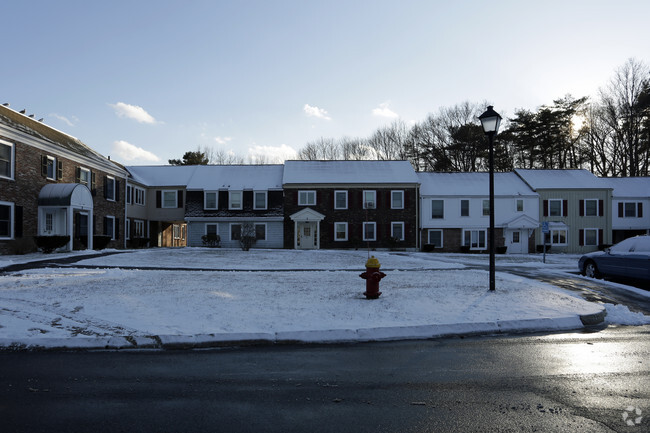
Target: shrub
(428, 248)
(392, 242)
(22, 246)
(501, 250)
(540, 248)
(211, 240)
(139, 242)
(248, 236)
(100, 241)
(48, 244)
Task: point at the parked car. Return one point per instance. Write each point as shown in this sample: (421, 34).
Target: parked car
(628, 259)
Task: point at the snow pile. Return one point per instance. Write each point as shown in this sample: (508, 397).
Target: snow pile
(621, 315)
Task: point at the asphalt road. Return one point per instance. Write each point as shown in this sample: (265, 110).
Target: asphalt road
(578, 382)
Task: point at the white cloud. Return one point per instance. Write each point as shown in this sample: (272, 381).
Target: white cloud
(384, 111)
(130, 152)
(133, 112)
(271, 154)
(222, 140)
(65, 119)
(316, 112)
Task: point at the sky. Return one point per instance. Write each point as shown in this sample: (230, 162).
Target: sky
(145, 81)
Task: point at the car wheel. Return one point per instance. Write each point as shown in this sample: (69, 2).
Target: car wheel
(591, 270)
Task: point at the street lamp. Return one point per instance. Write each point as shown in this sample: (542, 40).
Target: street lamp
(490, 120)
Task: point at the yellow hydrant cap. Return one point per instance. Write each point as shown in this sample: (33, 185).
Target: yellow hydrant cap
(373, 263)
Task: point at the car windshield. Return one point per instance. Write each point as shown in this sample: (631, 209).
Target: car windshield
(642, 244)
(623, 246)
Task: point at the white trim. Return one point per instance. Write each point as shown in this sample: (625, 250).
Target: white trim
(374, 225)
(584, 239)
(136, 223)
(441, 237)
(12, 221)
(478, 243)
(162, 198)
(367, 203)
(111, 217)
(12, 160)
(392, 205)
(550, 214)
(306, 202)
(108, 179)
(230, 200)
(523, 205)
(127, 229)
(392, 226)
(345, 224)
(47, 174)
(205, 200)
(339, 191)
(468, 207)
(266, 200)
(584, 209)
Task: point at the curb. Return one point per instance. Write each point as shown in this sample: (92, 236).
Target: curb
(421, 332)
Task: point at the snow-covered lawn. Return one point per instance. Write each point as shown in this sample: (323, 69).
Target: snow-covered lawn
(422, 295)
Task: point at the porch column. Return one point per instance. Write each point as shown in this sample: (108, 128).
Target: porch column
(70, 229)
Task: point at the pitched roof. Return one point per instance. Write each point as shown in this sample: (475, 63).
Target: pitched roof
(161, 175)
(348, 172)
(472, 184)
(637, 187)
(560, 179)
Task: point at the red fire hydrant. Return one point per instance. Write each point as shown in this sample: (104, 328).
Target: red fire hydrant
(372, 277)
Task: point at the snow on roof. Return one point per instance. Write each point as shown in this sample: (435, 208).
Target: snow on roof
(348, 172)
(628, 186)
(161, 175)
(472, 184)
(560, 179)
(236, 177)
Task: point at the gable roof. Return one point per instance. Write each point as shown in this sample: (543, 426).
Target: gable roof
(628, 187)
(560, 179)
(236, 177)
(348, 172)
(161, 175)
(472, 184)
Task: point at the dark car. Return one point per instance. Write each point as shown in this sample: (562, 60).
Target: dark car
(628, 259)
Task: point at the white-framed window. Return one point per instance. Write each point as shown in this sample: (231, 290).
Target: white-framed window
(629, 210)
(369, 199)
(176, 228)
(7, 158)
(437, 209)
(435, 237)
(340, 199)
(370, 231)
(397, 199)
(486, 207)
(138, 196)
(129, 194)
(51, 168)
(235, 201)
(235, 231)
(555, 207)
(109, 226)
(515, 237)
(127, 229)
(341, 231)
(557, 237)
(591, 207)
(210, 199)
(519, 205)
(211, 229)
(306, 198)
(49, 222)
(397, 230)
(6, 220)
(591, 237)
(475, 239)
(464, 208)
(109, 192)
(170, 199)
(260, 200)
(84, 176)
(260, 232)
(138, 228)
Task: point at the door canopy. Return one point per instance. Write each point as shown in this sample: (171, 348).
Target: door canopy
(66, 195)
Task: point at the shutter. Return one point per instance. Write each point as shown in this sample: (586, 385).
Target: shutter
(565, 207)
(600, 237)
(406, 199)
(333, 229)
(545, 205)
(377, 199)
(601, 207)
(77, 175)
(179, 197)
(105, 188)
(332, 199)
(116, 233)
(639, 212)
(44, 165)
(18, 221)
(158, 199)
(117, 190)
(59, 170)
(582, 208)
(620, 209)
(582, 237)
(105, 226)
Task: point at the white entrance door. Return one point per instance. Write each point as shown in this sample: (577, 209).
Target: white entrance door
(517, 241)
(307, 233)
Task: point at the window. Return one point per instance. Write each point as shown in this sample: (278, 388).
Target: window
(520, 205)
(474, 239)
(556, 237)
(235, 232)
(109, 226)
(464, 208)
(84, 176)
(437, 209)
(129, 194)
(629, 209)
(306, 198)
(138, 196)
(591, 237)
(370, 199)
(340, 231)
(435, 238)
(591, 207)
(6, 220)
(555, 207)
(235, 200)
(211, 229)
(340, 199)
(397, 199)
(127, 228)
(370, 231)
(397, 230)
(6, 160)
(109, 188)
(515, 237)
(486, 207)
(259, 200)
(210, 199)
(176, 228)
(49, 222)
(169, 199)
(260, 232)
(138, 228)
(50, 168)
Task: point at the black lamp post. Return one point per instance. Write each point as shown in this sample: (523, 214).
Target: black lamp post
(490, 120)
